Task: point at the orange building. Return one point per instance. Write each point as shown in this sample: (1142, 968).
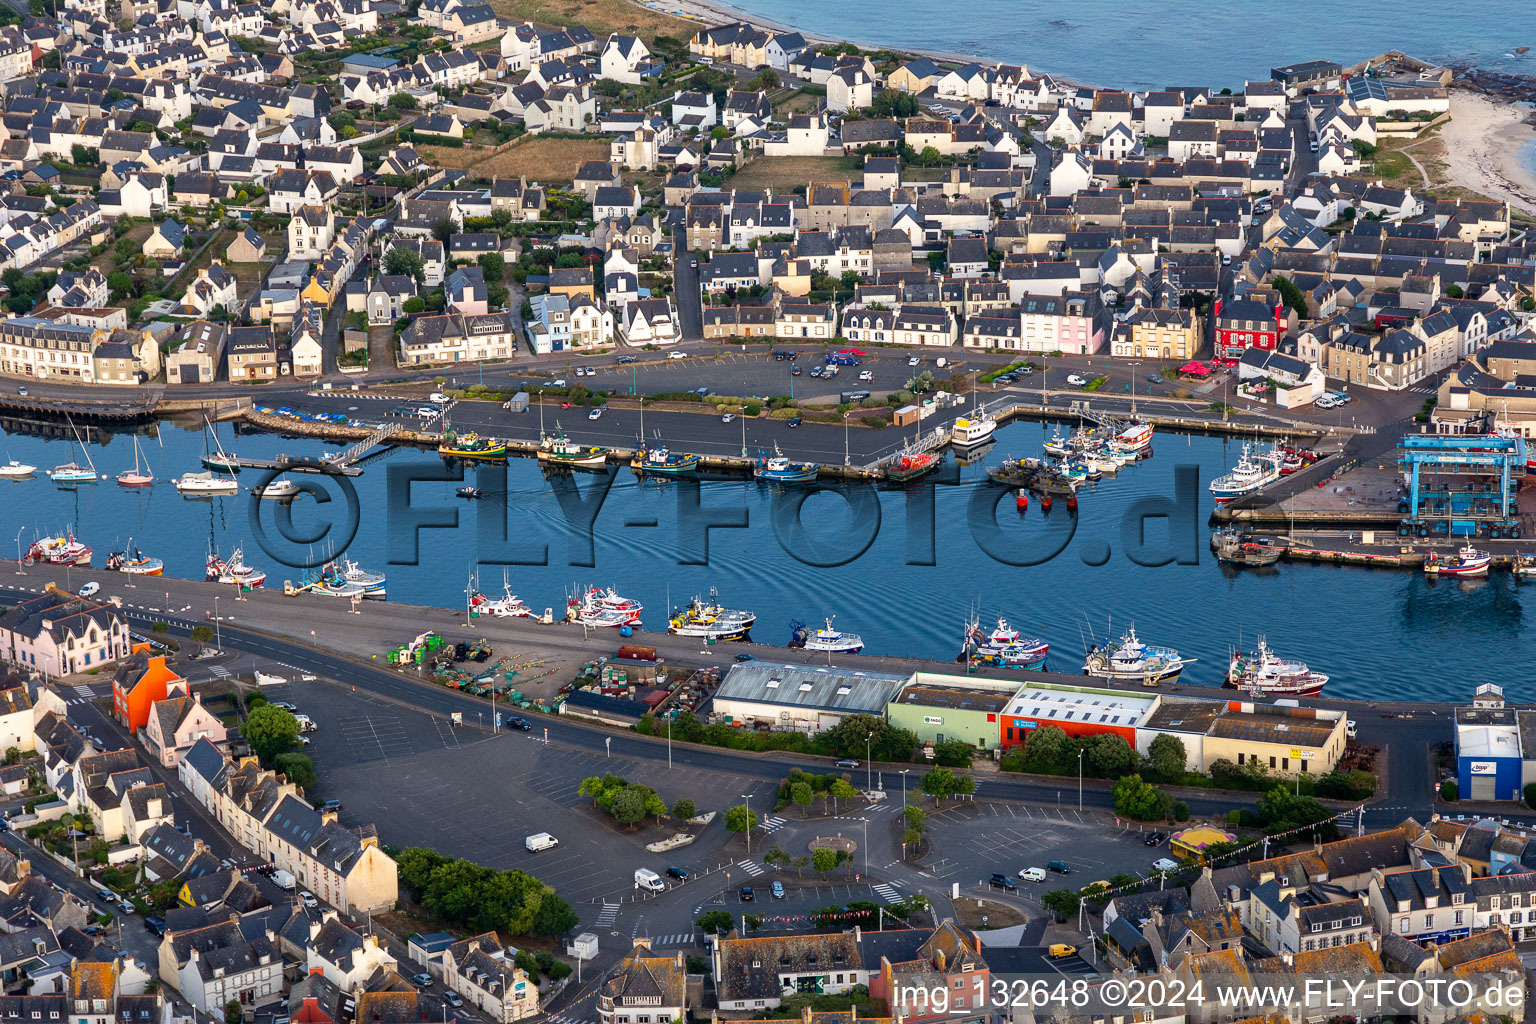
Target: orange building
(141, 679)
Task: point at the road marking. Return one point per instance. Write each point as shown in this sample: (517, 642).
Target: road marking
(773, 824)
(887, 892)
(609, 914)
(750, 867)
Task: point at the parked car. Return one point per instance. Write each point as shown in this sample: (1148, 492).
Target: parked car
(1059, 866)
(1032, 874)
(107, 895)
(308, 899)
(520, 724)
(1165, 864)
(438, 397)
(744, 656)
(746, 894)
(626, 360)
(795, 421)
(1059, 950)
(453, 999)
(595, 414)
(331, 805)
(1076, 381)
(1001, 881)
(1153, 378)
(421, 980)
(155, 924)
(1153, 839)
(677, 355)
(794, 371)
(285, 705)
(778, 890)
(846, 762)
(22, 390)
(90, 589)
(727, 417)
(693, 264)
(581, 371)
(681, 874)
(867, 375)
(913, 361)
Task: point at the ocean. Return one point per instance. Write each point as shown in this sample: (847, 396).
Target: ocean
(1174, 42)
(858, 555)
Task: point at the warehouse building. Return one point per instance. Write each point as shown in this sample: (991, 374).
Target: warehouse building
(1076, 710)
(1283, 740)
(768, 695)
(1495, 748)
(939, 707)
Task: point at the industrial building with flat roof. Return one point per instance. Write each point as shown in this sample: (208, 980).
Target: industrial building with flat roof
(765, 694)
(939, 707)
(1075, 710)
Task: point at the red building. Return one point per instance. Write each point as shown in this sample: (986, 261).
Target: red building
(1075, 710)
(1247, 323)
(141, 680)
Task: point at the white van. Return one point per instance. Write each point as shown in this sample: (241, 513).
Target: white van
(1032, 874)
(645, 878)
(541, 841)
(1164, 864)
(306, 724)
(941, 362)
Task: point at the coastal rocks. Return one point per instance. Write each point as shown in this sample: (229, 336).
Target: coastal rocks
(1511, 87)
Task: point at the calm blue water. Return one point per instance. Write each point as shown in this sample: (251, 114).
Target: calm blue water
(1173, 42)
(1378, 633)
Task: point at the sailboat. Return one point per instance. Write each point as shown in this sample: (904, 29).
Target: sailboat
(136, 477)
(71, 473)
(218, 459)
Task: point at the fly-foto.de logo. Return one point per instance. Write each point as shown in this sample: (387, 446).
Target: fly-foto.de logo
(1154, 530)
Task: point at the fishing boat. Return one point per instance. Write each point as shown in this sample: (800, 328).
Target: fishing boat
(709, 619)
(1135, 438)
(974, 429)
(911, 464)
(327, 582)
(1004, 646)
(1467, 561)
(509, 606)
(65, 550)
(134, 562)
(16, 470)
(599, 607)
(470, 492)
(470, 446)
(1262, 672)
(1250, 474)
(277, 490)
(1240, 547)
(371, 582)
(136, 477)
(832, 641)
(1524, 566)
(234, 571)
(1058, 446)
(1033, 474)
(777, 468)
(1130, 659)
(206, 483)
(661, 461)
(218, 459)
(558, 450)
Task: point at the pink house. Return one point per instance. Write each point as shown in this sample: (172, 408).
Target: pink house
(467, 291)
(175, 724)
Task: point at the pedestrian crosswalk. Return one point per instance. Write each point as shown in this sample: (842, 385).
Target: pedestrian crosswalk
(774, 823)
(1424, 391)
(562, 1019)
(609, 914)
(752, 868)
(83, 695)
(887, 892)
(677, 939)
(883, 807)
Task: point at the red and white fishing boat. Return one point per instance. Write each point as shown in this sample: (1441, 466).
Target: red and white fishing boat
(1263, 672)
(509, 607)
(600, 607)
(63, 550)
(1135, 438)
(1467, 561)
(234, 571)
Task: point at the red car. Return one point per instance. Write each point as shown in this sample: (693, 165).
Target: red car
(565, 405)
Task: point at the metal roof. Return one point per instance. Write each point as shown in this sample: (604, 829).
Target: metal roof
(849, 692)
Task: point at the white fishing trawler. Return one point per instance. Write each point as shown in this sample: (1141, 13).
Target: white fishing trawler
(1130, 659)
(832, 641)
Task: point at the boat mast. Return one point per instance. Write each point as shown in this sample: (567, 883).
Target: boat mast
(83, 451)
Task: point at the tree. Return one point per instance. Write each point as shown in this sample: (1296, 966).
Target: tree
(1282, 810)
(1450, 791)
(1109, 756)
(414, 304)
(1166, 758)
(1049, 751)
(1291, 295)
(1061, 902)
(824, 859)
(929, 156)
(953, 753)
(801, 794)
(941, 782)
(234, 1013)
(917, 818)
(655, 807)
(299, 769)
(202, 634)
(443, 230)
(1141, 800)
(776, 857)
(270, 731)
(841, 789)
(403, 101)
(80, 156)
(400, 260)
(493, 267)
(885, 741)
(1455, 291)
(739, 818)
(684, 809)
(715, 922)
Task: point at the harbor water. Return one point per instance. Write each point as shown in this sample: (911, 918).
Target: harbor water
(843, 552)
(1165, 43)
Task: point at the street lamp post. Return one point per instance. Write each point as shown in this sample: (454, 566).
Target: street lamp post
(846, 458)
(904, 787)
(19, 570)
(1080, 781)
(869, 769)
(745, 797)
(218, 634)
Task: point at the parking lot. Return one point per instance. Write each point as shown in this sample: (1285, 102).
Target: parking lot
(970, 841)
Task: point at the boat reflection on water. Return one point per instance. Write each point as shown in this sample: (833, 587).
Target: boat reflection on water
(976, 455)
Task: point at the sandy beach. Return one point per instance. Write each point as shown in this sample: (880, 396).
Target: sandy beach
(1482, 146)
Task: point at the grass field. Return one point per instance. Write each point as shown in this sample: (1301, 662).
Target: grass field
(541, 159)
(785, 172)
(451, 157)
(796, 103)
(601, 16)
